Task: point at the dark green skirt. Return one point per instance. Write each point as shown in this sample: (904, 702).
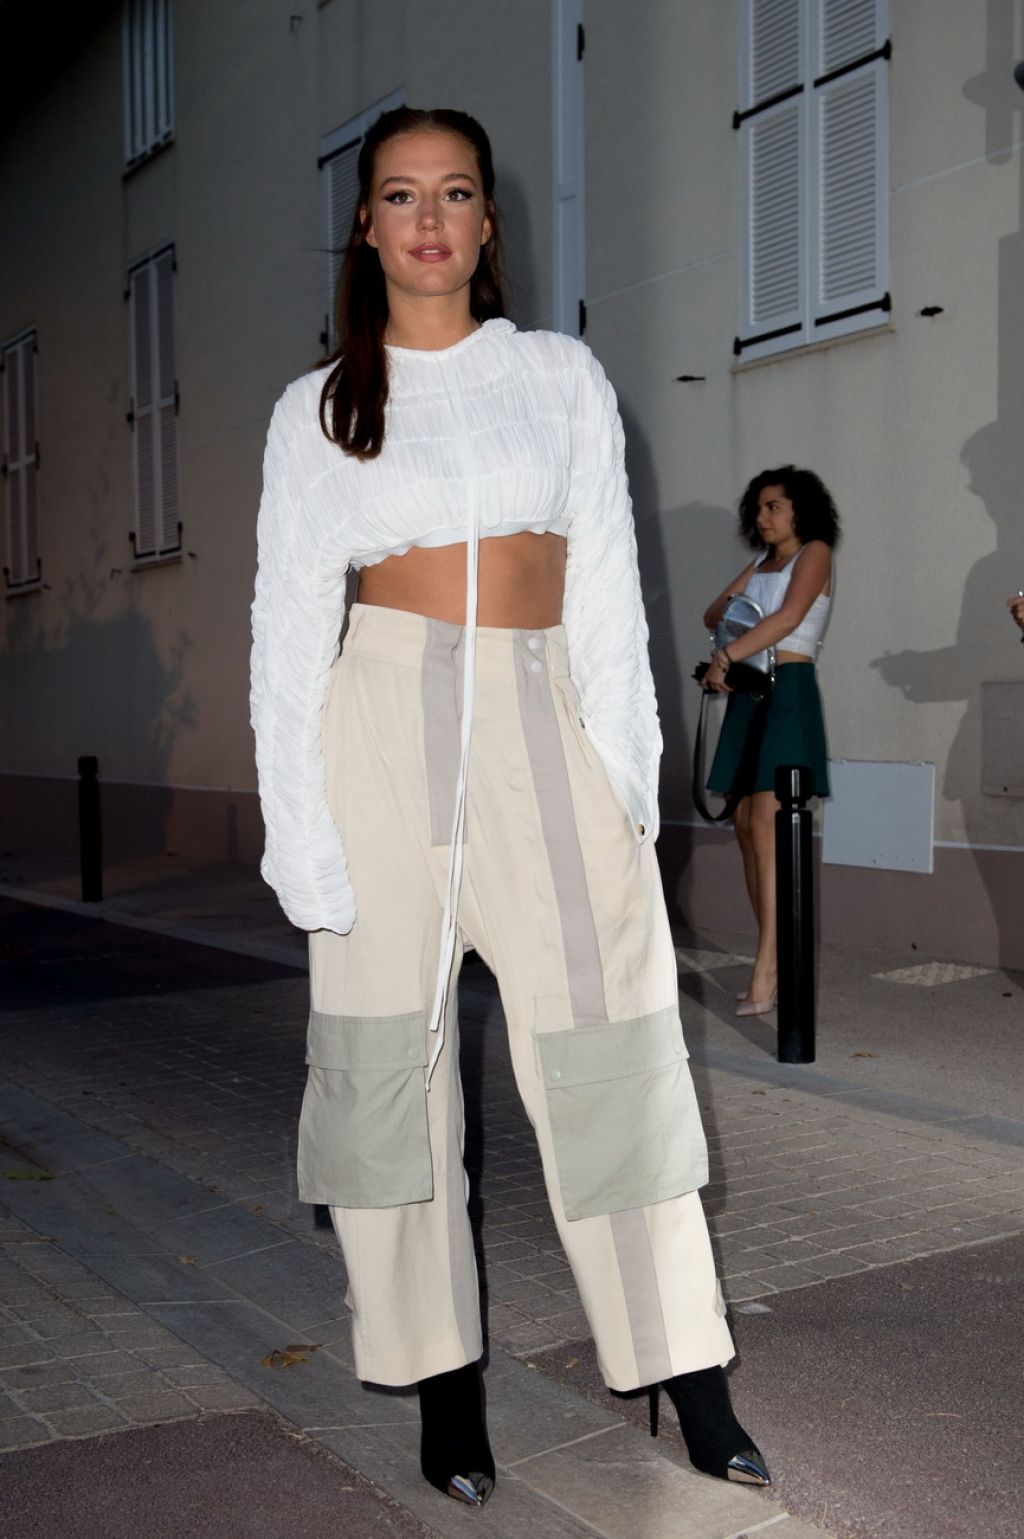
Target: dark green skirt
(794, 733)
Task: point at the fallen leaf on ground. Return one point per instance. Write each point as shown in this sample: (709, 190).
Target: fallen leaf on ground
(573, 1361)
(28, 1175)
(279, 1359)
(188, 1260)
(863, 1055)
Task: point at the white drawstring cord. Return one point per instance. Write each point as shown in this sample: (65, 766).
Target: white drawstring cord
(449, 924)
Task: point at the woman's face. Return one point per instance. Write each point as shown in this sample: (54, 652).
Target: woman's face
(427, 215)
(775, 516)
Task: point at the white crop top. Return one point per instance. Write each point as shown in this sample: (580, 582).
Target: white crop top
(454, 534)
(768, 589)
(505, 430)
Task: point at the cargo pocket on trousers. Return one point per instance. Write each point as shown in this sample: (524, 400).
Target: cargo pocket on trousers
(624, 1118)
(363, 1137)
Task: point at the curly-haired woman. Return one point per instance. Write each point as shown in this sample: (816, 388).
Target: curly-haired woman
(788, 516)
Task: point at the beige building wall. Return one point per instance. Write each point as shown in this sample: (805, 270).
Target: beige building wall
(146, 665)
(915, 427)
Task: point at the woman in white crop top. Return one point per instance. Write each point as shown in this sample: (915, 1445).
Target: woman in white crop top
(478, 768)
(787, 516)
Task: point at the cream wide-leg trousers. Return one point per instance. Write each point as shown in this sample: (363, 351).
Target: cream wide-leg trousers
(564, 904)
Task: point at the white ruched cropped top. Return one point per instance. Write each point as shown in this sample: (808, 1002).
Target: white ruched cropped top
(768, 589)
(506, 430)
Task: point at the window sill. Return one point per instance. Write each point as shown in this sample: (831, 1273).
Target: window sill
(167, 558)
(23, 589)
(744, 365)
(146, 156)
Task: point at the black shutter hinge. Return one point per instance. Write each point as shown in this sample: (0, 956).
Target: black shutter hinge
(583, 317)
(177, 398)
(129, 416)
(3, 470)
(581, 42)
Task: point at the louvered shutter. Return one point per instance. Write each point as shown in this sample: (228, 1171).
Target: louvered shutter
(814, 145)
(848, 30)
(848, 225)
(30, 458)
(772, 55)
(772, 147)
(773, 234)
(15, 479)
(151, 292)
(341, 183)
(148, 76)
(141, 293)
(850, 235)
(166, 404)
(21, 461)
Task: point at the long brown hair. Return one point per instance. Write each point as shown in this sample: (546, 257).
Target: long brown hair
(355, 392)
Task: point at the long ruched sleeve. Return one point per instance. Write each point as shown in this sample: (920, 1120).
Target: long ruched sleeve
(603, 612)
(296, 622)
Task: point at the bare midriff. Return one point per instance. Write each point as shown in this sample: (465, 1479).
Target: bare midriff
(520, 585)
(792, 657)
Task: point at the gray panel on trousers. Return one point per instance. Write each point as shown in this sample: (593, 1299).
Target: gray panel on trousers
(561, 839)
(643, 1300)
(442, 715)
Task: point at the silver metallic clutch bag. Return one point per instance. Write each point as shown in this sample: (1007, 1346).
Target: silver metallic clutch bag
(740, 615)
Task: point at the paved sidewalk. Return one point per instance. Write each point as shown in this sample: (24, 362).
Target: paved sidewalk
(878, 1154)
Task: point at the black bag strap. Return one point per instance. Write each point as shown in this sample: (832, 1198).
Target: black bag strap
(746, 769)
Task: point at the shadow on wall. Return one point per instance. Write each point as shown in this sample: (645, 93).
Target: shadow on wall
(678, 641)
(991, 457)
(89, 685)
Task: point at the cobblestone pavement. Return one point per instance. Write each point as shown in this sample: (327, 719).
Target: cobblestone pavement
(77, 1358)
(806, 1184)
(818, 1173)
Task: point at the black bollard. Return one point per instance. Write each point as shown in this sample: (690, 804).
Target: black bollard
(89, 843)
(794, 897)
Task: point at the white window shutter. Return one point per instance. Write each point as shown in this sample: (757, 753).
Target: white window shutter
(772, 49)
(849, 225)
(849, 29)
(155, 397)
(21, 456)
(341, 183)
(30, 455)
(148, 76)
(814, 144)
(15, 478)
(772, 243)
(166, 384)
(142, 346)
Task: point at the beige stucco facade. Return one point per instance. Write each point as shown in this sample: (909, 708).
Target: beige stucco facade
(916, 426)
